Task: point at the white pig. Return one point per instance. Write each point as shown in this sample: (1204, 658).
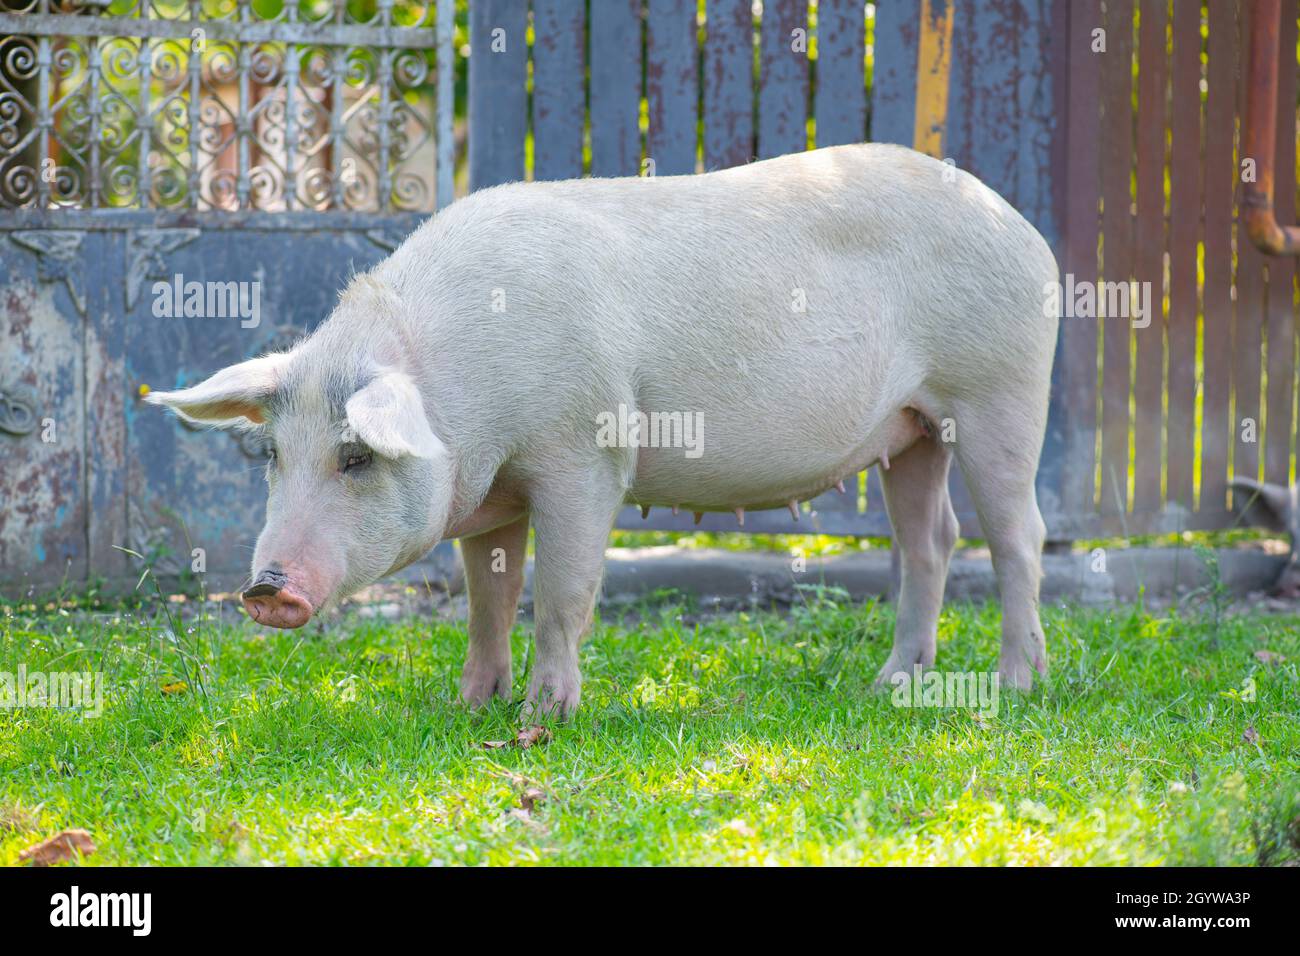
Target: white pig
(815, 314)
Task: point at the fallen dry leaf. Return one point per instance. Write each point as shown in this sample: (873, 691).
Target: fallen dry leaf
(535, 734)
(59, 848)
(1250, 735)
(531, 798)
(1269, 657)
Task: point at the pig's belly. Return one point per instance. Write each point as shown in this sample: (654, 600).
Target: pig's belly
(761, 470)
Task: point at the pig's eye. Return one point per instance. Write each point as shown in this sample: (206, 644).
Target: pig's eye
(358, 460)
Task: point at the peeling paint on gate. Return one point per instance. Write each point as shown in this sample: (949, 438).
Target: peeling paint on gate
(42, 511)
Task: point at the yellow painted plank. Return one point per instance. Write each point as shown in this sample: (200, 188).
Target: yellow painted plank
(933, 68)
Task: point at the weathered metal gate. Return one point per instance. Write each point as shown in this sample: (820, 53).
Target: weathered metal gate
(155, 149)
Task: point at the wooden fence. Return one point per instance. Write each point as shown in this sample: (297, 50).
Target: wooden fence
(1207, 389)
(1115, 127)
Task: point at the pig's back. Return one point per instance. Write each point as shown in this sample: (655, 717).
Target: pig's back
(874, 230)
(804, 270)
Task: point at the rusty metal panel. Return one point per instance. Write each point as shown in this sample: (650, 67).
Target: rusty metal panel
(43, 302)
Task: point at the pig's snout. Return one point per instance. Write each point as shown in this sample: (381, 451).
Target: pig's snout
(270, 600)
(267, 584)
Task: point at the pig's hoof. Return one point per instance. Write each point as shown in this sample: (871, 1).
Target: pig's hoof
(554, 696)
(480, 683)
(1016, 672)
(897, 669)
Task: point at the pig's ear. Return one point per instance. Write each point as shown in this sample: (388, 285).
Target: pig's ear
(232, 395)
(1265, 506)
(388, 415)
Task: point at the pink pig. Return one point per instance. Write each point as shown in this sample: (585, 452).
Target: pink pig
(816, 314)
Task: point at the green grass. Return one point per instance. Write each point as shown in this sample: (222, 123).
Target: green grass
(750, 738)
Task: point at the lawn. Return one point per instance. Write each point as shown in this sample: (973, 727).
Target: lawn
(1160, 738)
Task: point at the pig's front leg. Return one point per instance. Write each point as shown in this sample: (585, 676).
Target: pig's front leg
(494, 573)
(572, 526)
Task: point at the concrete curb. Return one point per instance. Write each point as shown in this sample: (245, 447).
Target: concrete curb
(1109, 577)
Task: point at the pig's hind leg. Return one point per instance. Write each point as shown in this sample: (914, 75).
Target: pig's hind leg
(998, 443)
(925, 531)
(494, 574)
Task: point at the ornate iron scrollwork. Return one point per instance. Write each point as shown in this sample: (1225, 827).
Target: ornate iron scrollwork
(334, 124)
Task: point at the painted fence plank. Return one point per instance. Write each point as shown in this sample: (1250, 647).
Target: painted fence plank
(1001, 128)
(1117, 250)
(933, 129)
(1079, 349)
(1148, 375)
(559, 107)
(672, 91)
(893, 80)
(1043, 191)
(1248, 321)
(984, 120)
(783, 78)
(498, 95)
(728, 84)
(1184, 221)
(1041, 105)
(933, 123)
(615, 57)
(1281, 315)
(1220, 176)
(840, 99)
